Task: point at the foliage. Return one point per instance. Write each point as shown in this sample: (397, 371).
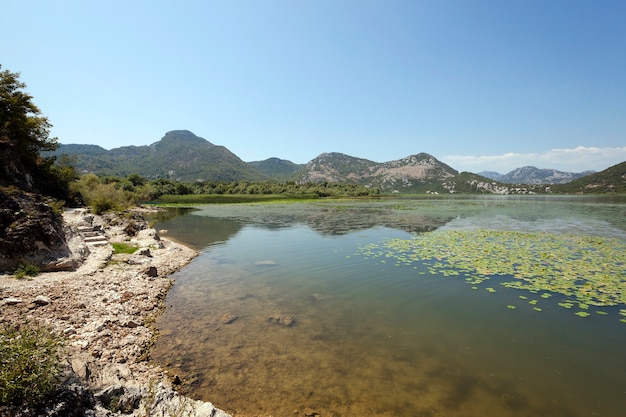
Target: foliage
(24, 135)
(110, 194)
(30, 364)
(117, 193)
(229, 198)
(612, 180)
(119, 247)
(276, 169)
(26, 270)
(179, 155)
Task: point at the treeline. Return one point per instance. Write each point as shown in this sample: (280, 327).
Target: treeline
(117, 193)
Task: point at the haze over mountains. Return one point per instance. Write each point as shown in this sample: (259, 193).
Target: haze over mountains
(183, 156)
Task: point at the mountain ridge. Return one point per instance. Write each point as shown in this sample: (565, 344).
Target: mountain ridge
(181, 155)
(533, 175)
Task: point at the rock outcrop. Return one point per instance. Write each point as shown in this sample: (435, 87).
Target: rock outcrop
(32, 233)
(105, 309)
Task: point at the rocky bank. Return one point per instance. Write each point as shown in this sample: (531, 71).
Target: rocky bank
(105, 307)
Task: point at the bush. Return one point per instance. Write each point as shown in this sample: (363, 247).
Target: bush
(30, 364)
(25, 270)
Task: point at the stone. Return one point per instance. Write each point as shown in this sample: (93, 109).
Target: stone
(42, 300)
(168, 402)
(148, 234)
(69, 331)
(11, 301)
(80, 368)
(120, 397)
(144, 252)
(267, 262)
(229, 318)
(131, 324)
(282, 319)
(152, 271)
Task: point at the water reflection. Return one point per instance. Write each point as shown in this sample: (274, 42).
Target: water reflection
(372, 337)
(198, 232)
(421, 215)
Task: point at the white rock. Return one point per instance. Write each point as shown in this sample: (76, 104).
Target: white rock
(42, 300)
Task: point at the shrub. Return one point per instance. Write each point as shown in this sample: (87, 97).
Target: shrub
(25, 270)
(30, 364)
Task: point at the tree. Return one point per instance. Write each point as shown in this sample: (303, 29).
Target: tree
(24, 134)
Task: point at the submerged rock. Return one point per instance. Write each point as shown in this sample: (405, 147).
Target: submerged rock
(229, 318)
(282, 319)
(267, 262)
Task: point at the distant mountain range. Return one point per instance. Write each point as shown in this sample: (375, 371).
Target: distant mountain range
(183, 156)
(532, 175)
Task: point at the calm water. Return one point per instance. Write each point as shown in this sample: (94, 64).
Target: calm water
(373, 338)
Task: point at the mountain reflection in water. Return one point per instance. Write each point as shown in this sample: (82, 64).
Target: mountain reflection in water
(377, 336)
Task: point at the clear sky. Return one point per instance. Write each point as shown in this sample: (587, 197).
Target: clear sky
(479, 84)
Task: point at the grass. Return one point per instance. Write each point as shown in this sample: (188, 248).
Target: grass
(30, 364)
(119, 247)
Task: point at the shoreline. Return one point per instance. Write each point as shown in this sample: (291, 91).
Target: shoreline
(106, 309)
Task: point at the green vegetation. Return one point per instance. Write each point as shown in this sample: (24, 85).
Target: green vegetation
(30, 364)
(179, 154)
(116, 193)
(586, 270)
(119, 247)
(229, 198)
(24, 135)
(26, 270)
(610, 181)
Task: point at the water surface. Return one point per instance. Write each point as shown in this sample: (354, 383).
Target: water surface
(372, 336)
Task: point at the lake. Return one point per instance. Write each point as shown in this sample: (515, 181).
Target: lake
(465, 306)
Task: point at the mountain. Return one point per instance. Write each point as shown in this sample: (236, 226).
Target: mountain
(496, 176)
(421, 173)
(276, 168)
(532, 175)
(611, 180)
(179, 155)
(183, 156)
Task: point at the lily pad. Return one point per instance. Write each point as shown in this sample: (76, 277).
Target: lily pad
(587, 270)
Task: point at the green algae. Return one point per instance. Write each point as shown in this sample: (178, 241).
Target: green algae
(587, 270)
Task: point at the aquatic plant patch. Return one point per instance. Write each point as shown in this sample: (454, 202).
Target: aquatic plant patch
(587, 270)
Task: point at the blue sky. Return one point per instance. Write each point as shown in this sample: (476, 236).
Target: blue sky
(481, 85)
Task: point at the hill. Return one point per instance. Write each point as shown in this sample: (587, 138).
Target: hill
(533, 175)
(179, 155)
(612, 180)
(420, 173)
(276, 168)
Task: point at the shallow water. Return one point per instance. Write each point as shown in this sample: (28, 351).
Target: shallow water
(376, 337)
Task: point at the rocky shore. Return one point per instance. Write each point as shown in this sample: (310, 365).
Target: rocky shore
(105, 309)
